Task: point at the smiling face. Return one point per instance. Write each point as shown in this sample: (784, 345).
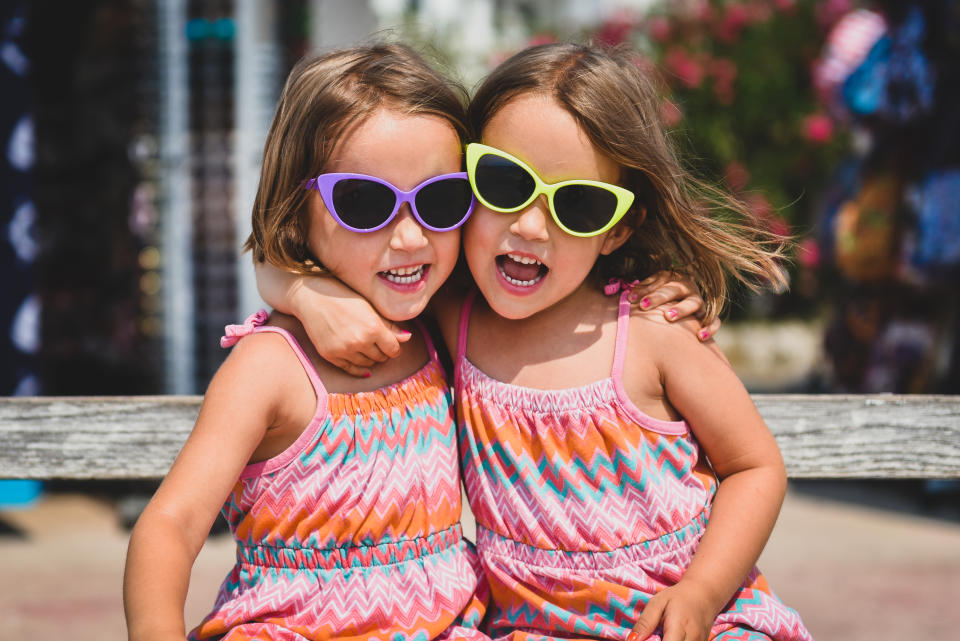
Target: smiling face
(523, 262)
(397, 268)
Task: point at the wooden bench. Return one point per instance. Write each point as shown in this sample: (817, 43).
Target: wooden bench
(821, 436)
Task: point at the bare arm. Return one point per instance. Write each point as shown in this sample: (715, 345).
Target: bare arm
(165, 542)
(342, 325)
(745, 456)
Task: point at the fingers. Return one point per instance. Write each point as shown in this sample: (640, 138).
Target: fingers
(709, 330)
(648, 621)
(669, 293)
(350, 368)
(689, 306)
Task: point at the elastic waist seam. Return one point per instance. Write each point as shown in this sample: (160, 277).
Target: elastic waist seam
(352, 556)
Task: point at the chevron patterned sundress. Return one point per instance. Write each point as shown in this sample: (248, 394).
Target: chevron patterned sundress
(586, 507)
(353, 532)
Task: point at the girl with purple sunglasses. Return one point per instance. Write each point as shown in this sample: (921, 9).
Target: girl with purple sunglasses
(343, 493)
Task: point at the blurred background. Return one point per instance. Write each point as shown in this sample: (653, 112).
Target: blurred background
(132, 130)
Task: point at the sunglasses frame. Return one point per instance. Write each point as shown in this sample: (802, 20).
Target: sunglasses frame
(625, 197)
(324, 183)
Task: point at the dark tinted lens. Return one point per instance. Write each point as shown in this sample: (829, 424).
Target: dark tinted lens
(502, 183)
(583, 208)
(444, 203)
(362, 204)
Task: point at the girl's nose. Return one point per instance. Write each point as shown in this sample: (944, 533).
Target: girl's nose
(532, 223)
(407, 233)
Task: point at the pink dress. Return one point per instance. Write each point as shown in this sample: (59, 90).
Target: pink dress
(353, 532)
(586, 507)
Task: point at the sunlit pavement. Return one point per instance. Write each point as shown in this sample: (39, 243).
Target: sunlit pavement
(855, 573)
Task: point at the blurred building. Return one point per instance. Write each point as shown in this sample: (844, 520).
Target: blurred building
(150, 119)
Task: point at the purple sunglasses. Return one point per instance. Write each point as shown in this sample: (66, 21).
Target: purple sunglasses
(363, 203)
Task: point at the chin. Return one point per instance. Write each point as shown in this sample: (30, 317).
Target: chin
(510, 310)
(402, 312)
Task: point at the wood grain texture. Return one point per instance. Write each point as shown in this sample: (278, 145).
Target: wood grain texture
(828, 436)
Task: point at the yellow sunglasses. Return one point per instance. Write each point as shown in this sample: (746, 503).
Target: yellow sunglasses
(506, 184)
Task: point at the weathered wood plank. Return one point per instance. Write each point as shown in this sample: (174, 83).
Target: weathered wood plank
(132, 437)
(829, 436)
(873, 436)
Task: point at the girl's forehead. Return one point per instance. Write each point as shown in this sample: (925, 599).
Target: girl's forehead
(398, 147)
(537, 129)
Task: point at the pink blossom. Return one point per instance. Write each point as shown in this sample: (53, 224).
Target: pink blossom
(818, 128)
(759, 206)
(808, 253)
(543, 38)
(617, 29)
(779, 226)
(724, 73)
(830, 11)
(659, 29)
(670, 113)
(760, 12)
(685, 67)
(735, 18)
(736, 176)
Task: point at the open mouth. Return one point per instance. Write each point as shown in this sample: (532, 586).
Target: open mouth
(405, 275)
(521, 271)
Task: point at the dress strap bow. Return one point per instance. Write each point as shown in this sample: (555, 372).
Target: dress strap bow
(614, 285)
(233, 333)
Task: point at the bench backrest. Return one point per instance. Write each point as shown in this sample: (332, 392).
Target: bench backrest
(821, 436)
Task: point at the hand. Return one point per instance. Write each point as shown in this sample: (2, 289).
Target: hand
(677, 297)
(681, 611)
(344, 328)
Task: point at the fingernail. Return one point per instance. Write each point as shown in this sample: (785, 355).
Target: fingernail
(704, 335)
(406, 334)
(633, 636)
(632, 298)
(366, 375)
(645, 303)
(672, 313)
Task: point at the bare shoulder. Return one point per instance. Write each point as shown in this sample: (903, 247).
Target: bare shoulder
(263, 368)
(666, 340)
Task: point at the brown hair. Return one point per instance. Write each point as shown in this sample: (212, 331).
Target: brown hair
(322, 99)
(679, 222)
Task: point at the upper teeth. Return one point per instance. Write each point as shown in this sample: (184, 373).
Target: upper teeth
(524, 260)
(404, 271)
(404, 275)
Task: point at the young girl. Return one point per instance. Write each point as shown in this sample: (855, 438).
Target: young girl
(623, 483)
(343, 494)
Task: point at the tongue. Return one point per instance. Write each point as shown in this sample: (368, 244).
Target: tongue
(519, 271)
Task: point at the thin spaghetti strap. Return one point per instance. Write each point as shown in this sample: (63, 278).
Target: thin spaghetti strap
(429, 341)
(623, 327)
(462, 336)
(308, 367)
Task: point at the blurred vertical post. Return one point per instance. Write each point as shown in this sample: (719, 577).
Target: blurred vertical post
(257, 77)
(334, 23)
(19, 305)
(175, 202)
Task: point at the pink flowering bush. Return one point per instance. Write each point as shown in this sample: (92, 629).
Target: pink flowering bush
(739, 96)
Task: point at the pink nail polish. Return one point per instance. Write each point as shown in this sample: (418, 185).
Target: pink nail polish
(632, 298)
(645, 303)
(672, 313)
(406, 334)
(633, 636)
(366, 375)
(704, 335)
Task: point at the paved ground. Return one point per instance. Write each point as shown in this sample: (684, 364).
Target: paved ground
(855, 573)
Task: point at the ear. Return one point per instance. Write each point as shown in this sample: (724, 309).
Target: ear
(617, 236)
